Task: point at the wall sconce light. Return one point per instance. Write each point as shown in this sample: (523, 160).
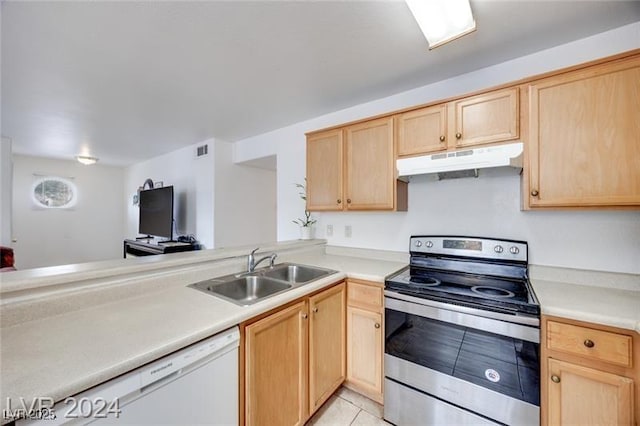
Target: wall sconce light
(442, 21)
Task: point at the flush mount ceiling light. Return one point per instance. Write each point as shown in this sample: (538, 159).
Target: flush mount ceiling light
(442, 21)
(86, 160)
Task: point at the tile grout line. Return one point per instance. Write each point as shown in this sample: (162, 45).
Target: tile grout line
(363, 408)
(357, 414)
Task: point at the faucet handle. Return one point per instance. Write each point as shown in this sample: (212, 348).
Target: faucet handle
(272, 259)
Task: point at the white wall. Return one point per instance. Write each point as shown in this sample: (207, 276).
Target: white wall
(92, 230)
(220, 203)
(603, 240)
(6, 189)
(245, 201)
(193, 187)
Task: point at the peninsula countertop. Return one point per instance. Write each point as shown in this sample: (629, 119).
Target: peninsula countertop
(61, 355)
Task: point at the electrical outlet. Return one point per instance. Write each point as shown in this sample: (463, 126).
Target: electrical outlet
(347, 231)
(329, 230)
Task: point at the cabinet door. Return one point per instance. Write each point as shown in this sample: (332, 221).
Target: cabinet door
(584, 396)
(364, 351)
(325, 171)
(584, 140)
(422, 131)
(327, 344)
(370, 165)
(488, 118)
(276, 368)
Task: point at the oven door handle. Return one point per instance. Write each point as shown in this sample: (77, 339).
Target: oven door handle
(491, 322)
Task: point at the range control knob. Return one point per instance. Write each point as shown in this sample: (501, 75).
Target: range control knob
(429, 244)
(418, 243)
(514, 250)
(498, 249)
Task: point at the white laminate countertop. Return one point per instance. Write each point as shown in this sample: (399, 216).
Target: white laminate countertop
(147, 311)
(64, 354)
(600, 305)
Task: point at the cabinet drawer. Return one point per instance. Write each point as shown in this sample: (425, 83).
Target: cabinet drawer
(588, 342)
(364, 295)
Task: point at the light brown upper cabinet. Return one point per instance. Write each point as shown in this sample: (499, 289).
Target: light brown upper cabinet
(353, 168)
(370, 165)
(475, 120)
(325, 170)
(483, 119)
(584, 137)
(422, 131)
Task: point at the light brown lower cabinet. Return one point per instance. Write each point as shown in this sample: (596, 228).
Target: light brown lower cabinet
(365, 343)
(294, 359)
(585, 396)
(589, 374)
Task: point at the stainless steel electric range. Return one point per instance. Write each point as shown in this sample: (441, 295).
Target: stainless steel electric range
(462, 334)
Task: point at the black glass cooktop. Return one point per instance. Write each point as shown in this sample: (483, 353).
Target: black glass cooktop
(506, 295)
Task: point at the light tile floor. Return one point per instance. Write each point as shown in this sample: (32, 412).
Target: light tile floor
(347, 407)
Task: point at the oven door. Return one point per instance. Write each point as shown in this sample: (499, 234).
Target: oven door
(462, 364)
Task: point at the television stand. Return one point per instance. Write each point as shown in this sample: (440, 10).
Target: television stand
(135, 248)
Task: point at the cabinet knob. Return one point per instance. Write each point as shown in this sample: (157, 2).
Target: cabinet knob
(315, 310)
(348, 200)
(555, 379)
(377, 325)
(458, 135)
(442, 138)
(534, 192)
(589, 343)
(339, 201)
(304, 316)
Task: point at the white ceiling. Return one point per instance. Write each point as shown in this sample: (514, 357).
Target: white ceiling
(126, 81)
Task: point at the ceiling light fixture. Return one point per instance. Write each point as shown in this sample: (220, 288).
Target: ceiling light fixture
(442, 21)
(86, 160)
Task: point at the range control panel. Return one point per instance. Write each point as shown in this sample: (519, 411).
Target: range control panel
(484, 248)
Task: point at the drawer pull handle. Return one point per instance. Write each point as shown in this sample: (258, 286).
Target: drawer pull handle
(534, 193)
(315, 310)
(458, 135)
(589, 343)
(442, 138)
(555, 379)
(304, 316)
(339, 201)
(377, 325)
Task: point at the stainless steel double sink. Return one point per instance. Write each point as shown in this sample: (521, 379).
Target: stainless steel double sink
(251, 287)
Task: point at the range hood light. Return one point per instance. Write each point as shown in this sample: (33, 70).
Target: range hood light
(507, 155)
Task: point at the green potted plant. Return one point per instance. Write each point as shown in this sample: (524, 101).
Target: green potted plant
(306, 224)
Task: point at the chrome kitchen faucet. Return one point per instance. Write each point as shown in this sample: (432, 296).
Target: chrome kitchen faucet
(252, 263)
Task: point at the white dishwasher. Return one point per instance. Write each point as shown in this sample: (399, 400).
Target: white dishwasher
(196, 385)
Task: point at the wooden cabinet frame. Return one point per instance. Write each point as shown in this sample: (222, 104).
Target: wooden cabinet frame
(588, 367)
(302, 310)
(365, 338)
(345, 175)
(596, 164)
(522, 100)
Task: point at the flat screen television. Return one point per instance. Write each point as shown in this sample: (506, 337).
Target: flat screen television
(156, 212)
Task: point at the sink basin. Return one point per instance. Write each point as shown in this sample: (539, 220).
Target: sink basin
(251, 287)
(244, 290)
(295, 273)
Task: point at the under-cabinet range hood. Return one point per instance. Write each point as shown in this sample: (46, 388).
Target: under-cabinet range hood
(508, 155)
